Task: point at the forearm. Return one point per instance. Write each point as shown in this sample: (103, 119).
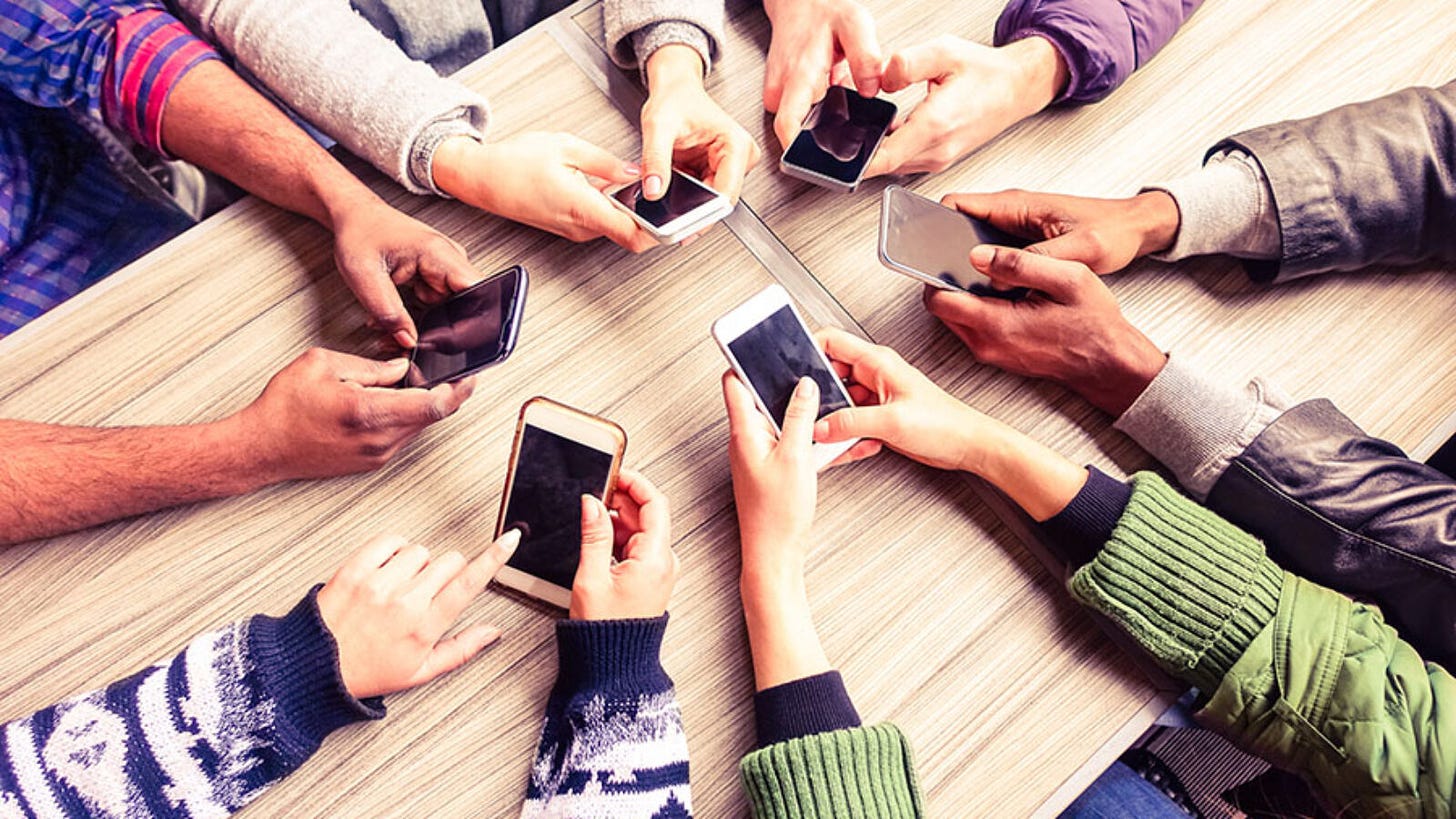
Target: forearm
(781, 634)
(56, 479)
(1036, 478)
(217, 121)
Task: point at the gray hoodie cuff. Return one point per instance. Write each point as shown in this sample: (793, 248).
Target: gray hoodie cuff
(422, 152)
(1224, 207)
(1195, 426)
(647, 40)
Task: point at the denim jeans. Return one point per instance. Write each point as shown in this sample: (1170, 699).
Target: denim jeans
(1119, 793)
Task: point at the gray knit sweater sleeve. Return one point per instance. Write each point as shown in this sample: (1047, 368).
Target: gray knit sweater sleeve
(636, 28)
(334, 69)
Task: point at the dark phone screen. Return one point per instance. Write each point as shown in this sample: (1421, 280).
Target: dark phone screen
(775, 354)
(684, 196)
(552, 473)
(936, 240)
(472, 330)
(841, 134)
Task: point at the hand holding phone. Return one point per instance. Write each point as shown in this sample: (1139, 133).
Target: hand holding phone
(640, 584)
(838, 138)
(932, 243)
(473, 329)
(559, 454)
(688, 207)
(770, 347)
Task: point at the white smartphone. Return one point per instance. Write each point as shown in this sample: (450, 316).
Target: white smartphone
(771, 348)
(930, 242)
(686, 208)
(839, 136)
(559, 455)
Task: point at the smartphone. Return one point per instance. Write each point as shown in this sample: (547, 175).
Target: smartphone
(930, 242)
(473, 329)
(686, 208)
(559, 454)
(770, 347)
(838, 138)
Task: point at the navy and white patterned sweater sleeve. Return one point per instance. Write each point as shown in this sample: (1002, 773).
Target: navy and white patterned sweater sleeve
(200, 735)
(612, 743)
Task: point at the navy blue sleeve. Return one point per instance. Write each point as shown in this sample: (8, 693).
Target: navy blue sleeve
(812, 705)
(1079, 531)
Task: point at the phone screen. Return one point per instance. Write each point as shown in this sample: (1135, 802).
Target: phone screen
(936, 240)
(775, 354)
(841, 134)
(684, 195)
(552, 473)
(472, 330)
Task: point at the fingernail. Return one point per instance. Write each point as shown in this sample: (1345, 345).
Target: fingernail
(652, 186)
(509, 541)
(590, 509)
(632, 169)
(821, 428)
(806, 388)
(983, 255)
(404, 339)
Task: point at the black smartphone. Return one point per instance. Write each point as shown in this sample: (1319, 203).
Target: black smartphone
(839, 136)
(473, 329)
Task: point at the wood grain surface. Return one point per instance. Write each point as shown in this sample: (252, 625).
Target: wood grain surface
(940, 620)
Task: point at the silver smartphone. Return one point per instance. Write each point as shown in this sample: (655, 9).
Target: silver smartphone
(838, 138)
(688, 207)
(930, 242)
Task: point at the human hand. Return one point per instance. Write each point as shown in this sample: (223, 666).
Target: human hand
(1069, 329)
(683, 126)
(897, 405)
(378, 250)
(974, 93)
(1104, 234)
(390, 604)
(638, 526)
(811, 39)
(548, 180)
(329, 413)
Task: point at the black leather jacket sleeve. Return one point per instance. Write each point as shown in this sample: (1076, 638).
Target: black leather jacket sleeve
(1373, 182)
(1352, 512)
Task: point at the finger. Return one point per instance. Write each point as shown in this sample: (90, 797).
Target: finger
(860, 394)
(901, 149)
(590, 159)
(446, 268)
(599, 216)
(861, 47)
(748, 428)
(453, 652)
(373, 554)
(919, 63)
(366, 372)
(963, 309)
(853, 422)
(652, 506)
(800, 94)
(596, 540)
(1057, 278)
(441, 570)
(1073, 246)
(848, 348)
(841, 75)
(469, 582)
(400, 569)
(733, 166)
(413, 407)
(859, 452)
(659, 134)
(368, 277)
(798, 426)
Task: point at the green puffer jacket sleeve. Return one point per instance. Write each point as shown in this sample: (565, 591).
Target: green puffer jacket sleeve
(1300, 675)
(865, 771)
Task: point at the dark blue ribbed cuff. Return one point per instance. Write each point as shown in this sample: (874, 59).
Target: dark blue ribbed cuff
(297, 661)
(812, 705)
(1079, 532)
(619, 656)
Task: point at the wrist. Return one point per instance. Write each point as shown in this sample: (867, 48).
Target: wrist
(768, 586)
(1156, 217)
(1042, 68)
(458, 160)
(1131, 366)
(258, 460)
(673, 65)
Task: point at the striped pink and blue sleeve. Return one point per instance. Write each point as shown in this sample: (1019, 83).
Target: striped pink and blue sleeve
(110, 61)
(1102, 41)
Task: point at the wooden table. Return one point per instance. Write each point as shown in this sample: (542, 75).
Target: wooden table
(936, 614)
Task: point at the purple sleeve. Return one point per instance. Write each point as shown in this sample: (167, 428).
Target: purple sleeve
(1103, 41)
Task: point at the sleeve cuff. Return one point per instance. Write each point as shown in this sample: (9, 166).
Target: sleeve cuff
(811, 705)
(620, 656)
(1071, 93)
(422, 152)
(647, 40)
(1081, 529)
(867, 771)
(153, 52)
(298, 661)
(1224, 207)
(1195, 426)
(1191, 588)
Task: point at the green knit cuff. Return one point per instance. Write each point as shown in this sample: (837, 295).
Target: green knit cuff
(1193, 589)
(863, 772)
